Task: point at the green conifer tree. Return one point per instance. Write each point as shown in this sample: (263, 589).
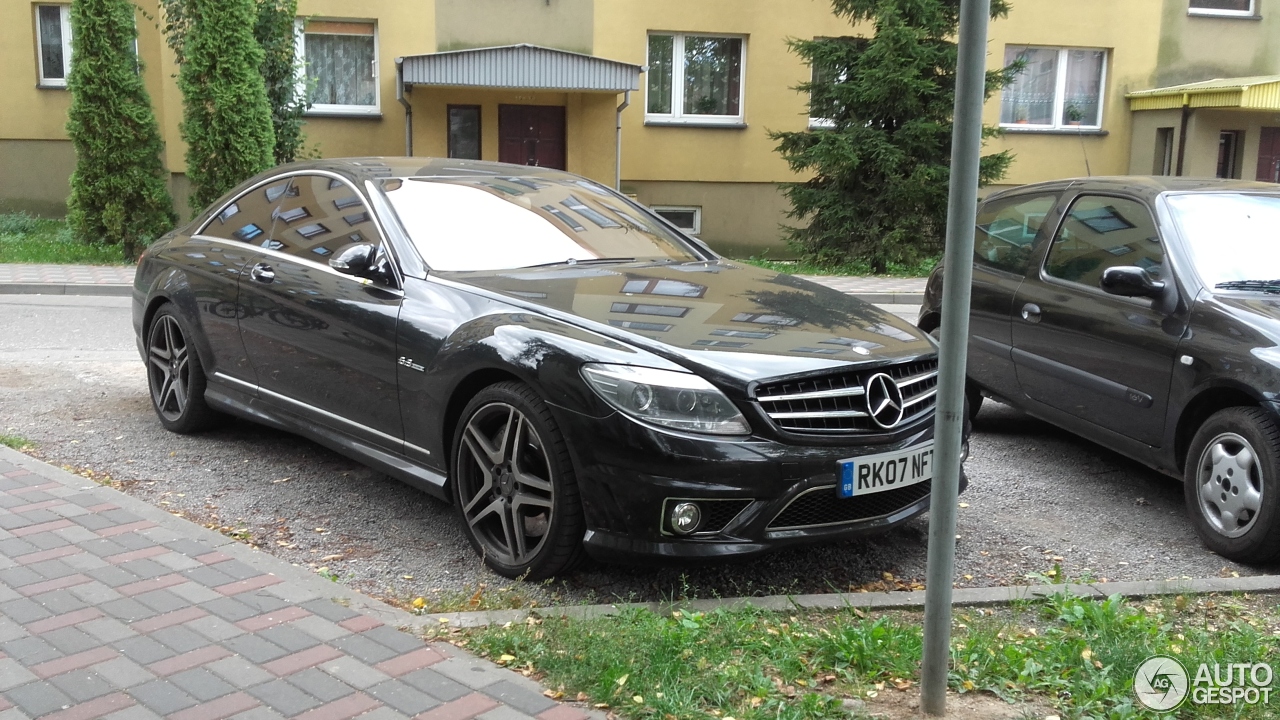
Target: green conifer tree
(118, 190)
(880, 170)
(227, 119)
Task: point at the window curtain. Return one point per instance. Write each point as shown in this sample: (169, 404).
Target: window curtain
(1030, 97)
(712, 75)
(1236, 5)
(661, 49)
(340, 69)
(1084, 87)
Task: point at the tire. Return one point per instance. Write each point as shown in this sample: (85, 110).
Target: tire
(175, 377)
(972, 394)
(1232, 484)
(513, 483)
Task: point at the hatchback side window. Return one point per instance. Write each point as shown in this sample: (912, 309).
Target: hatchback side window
(319, 219)
(1104, 232)
(1007, 231)
(248, 218)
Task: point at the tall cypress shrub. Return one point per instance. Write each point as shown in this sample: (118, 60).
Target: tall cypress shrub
(274, 31)
(118, 189)
(879, 173)
(227, 119)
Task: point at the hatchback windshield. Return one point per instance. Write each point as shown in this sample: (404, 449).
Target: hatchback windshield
(1232, 236)
(500, 223)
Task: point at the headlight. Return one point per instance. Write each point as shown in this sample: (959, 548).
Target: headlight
(681, 401)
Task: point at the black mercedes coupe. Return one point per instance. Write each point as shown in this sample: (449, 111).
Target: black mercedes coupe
(1143, 314)
(568, 369)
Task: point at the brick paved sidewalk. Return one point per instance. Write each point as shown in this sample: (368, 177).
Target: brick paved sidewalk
(67, 274)
(110, 607)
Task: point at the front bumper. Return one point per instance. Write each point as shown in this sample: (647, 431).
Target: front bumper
(773, 494)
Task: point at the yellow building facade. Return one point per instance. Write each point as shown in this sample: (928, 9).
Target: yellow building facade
(691, 89)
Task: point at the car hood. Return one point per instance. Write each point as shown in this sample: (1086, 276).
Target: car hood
(731, 318)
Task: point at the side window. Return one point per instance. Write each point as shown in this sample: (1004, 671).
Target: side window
(248, 219)
(320, 216)
(1104, 232)
(1007, 231)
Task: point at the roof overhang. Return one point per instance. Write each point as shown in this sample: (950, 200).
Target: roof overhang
(520, 67)
(1247, 93)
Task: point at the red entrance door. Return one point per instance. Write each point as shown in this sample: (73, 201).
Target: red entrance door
(1269, 155)
(531, 135)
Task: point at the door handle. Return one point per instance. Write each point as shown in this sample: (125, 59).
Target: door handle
(1031, 313)
(262, 273)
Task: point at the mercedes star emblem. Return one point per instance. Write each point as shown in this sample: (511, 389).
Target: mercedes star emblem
(884, 400)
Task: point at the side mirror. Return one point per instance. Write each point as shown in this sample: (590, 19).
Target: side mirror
(358, 260)
(1130, 281)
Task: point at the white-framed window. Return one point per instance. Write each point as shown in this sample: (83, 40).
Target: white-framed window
(1058, 88)
(1231, 8)
(687, 218)
(53, 44)
(695, 78)
(340, 58)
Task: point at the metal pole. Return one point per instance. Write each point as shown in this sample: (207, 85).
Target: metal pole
(962, 209)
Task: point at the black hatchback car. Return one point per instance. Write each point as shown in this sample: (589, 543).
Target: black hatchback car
(567, 368)
(1143, 314)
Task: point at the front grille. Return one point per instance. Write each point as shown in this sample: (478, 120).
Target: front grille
(837, 403)
(715, 513)
(820, 506)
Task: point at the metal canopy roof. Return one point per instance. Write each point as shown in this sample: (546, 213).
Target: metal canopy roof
(1261, 92)
(524, 67)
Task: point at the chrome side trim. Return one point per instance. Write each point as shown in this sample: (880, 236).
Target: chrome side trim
(815, 395)
(241, 384)
(328, 415)
(411, 446)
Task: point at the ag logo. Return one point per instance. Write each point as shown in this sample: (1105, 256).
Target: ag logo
(1160, 683)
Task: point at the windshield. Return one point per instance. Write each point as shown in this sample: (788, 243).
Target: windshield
(501, 223)
(1232, 236)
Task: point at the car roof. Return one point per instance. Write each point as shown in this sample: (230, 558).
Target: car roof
(1144, 186)
(381, 168)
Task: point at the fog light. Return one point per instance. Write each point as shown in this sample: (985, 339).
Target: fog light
(964, 451)
(686, 517)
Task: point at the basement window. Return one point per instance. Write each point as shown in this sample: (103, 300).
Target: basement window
(688, 219)
(1223, 8)
(53, 36)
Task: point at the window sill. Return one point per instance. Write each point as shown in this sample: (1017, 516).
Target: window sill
(696, 124)
(1223, 15)
(1023, 130)
(370, 113)
(50, 86)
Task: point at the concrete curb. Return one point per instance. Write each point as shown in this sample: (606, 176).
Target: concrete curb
(894, 298)
(109, 289)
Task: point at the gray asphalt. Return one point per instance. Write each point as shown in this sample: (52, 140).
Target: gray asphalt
(71, 382)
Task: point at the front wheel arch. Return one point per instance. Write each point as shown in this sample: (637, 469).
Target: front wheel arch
(1201, 408)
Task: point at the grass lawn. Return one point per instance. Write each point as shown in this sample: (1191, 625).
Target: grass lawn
(800, 267)
(16, 442)
(1067, 656)
(25, 239)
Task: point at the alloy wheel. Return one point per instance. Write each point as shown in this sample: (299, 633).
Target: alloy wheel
(505, 483)
(168, 368)
(1230, 485)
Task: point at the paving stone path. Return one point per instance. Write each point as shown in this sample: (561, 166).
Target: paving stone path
(112, 608)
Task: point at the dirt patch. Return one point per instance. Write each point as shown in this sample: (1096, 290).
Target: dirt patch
(905, 705)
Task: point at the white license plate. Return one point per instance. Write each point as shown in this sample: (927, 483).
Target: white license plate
(886, 471)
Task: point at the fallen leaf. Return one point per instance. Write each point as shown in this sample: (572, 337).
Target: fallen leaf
(622, 680)
(419, 602)
(964, 505)
(336, 556)
(637, 699)
(407, 577)
(503, 660)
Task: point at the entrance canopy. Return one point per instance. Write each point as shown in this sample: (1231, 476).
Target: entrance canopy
(1247, 93)
(522, 67)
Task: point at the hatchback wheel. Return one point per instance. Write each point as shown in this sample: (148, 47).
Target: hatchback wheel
(175, 376)
(1232, 484)
(514, 485)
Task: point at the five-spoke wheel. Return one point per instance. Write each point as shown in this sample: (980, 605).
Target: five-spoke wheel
(514, 486)
(175, 376)
(1231, 475)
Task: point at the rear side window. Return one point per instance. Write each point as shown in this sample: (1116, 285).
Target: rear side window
(320, 216)
(1007, 230)
(1103, 232)
(248, 218)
